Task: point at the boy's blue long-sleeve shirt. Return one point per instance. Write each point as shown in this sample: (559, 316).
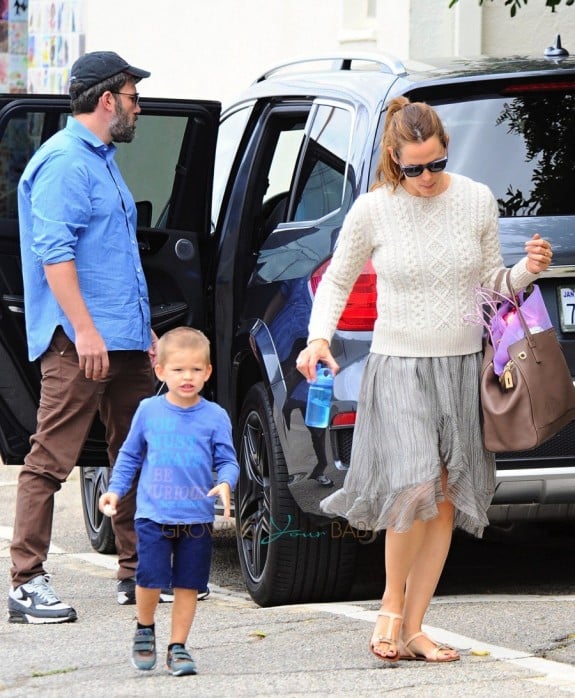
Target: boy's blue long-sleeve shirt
(175, 450)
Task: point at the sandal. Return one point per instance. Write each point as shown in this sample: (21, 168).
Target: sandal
(386, 638)
(433, 656)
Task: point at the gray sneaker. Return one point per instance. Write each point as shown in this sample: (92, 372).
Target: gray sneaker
(36, 602)
(127, 591)
(179, 662)
(203, 595)
(166, 595)
(144, 649)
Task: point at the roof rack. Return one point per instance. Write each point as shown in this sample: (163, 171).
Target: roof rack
(343, 61)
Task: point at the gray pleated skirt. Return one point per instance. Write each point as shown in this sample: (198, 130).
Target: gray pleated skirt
(414, 416)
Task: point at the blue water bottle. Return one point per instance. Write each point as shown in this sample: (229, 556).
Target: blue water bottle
(319, 398)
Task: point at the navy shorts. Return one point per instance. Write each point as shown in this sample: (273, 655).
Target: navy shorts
(174, 556)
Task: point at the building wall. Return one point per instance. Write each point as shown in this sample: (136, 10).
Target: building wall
(531, 31)
(422, 28)
(212, 49)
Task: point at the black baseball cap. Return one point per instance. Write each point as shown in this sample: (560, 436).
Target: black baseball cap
(92, 68)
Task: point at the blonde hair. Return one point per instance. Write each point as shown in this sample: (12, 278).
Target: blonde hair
(405, 122)
(182, 338)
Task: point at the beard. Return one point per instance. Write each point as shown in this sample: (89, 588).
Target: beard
(122, 129)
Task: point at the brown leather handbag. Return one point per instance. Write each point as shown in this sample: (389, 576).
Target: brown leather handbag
(534, 398)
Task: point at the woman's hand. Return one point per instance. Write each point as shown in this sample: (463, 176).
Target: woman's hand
(317, 350)
(539, 254)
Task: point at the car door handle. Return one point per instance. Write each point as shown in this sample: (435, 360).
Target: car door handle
(15, 304)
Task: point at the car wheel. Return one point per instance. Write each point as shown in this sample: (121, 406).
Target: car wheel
(93, 483)
(285, 557)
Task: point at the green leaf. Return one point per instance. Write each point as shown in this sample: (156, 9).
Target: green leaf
(515, 5)
(259, 634)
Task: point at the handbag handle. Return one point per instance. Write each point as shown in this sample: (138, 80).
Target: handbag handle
(499, 278)
(498, 295)
(527, 332)
(489, 312)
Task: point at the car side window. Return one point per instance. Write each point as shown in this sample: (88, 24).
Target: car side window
(148, 164)
(275, 162)
(321, 184)
(22, 136)
(230, 133)
(261, 184)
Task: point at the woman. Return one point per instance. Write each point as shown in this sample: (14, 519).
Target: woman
(418, 465)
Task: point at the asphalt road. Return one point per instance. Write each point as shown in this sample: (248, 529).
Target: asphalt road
(508, 605)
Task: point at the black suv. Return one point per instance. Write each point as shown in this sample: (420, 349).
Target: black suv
(240, 246)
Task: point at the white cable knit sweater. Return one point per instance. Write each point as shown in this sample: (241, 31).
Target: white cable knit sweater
(430, 254)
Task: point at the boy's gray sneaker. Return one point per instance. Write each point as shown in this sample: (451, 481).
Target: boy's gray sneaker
(179, 661)
(36, 602)
(144, 649)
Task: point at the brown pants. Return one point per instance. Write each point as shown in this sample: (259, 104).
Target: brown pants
(68, 405)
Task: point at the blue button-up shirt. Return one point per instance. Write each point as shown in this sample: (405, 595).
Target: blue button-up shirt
(73, 204)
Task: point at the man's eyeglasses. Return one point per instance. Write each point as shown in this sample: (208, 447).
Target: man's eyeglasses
(134, 96)
(415, 170)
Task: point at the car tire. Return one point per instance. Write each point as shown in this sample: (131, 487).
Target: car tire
(285, 557)
(93, 483)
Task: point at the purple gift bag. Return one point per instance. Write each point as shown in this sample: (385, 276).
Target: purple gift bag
(506, 327)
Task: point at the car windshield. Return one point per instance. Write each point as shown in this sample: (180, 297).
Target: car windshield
(521, 146)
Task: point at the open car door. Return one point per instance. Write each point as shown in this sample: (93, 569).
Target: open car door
(169, 170)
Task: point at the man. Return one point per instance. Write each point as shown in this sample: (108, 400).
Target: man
(87, 317)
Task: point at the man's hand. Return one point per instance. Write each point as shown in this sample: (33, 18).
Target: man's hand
(153, 350)
(62, 278)
(92, 354)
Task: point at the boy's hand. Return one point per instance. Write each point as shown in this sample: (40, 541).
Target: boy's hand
(224, 492)
(108, 503)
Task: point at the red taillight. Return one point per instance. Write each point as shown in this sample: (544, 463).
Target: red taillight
(343, 419)
(360, 312)
(566, 85)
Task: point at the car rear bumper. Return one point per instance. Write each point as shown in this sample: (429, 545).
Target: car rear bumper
(542, 494)
(536, 485)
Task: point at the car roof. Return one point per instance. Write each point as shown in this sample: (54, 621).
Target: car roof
(371, 78)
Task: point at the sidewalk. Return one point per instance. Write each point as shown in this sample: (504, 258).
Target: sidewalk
(318, 650)
(243, 650)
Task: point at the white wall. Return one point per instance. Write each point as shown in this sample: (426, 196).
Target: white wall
(213, 49)
(531, 31)
(426, 28)
(209, 48)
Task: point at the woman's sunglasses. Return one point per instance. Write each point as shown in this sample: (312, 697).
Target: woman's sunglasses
(416, 170)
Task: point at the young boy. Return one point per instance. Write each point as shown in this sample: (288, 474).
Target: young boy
(175, 441)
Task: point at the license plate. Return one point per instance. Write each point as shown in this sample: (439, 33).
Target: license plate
(567, 307)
